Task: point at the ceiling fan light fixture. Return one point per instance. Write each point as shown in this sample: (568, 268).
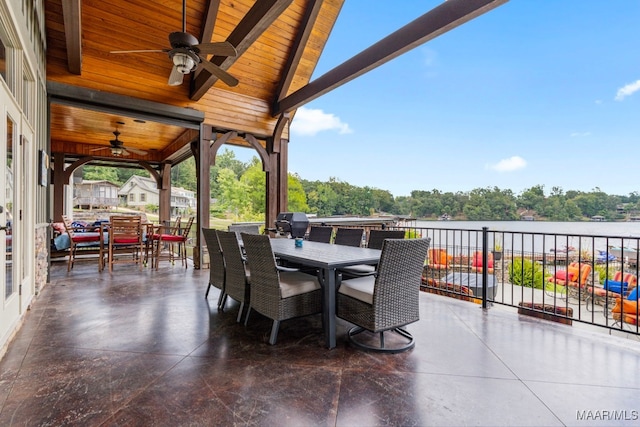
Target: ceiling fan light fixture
(116, 151)
(184, 62)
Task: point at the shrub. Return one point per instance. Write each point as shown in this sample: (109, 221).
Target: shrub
(524, 272)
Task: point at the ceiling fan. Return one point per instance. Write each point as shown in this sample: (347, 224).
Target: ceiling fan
(118, 149)
(186, 54)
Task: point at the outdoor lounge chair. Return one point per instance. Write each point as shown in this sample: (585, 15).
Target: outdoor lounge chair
(574, 278)
(388, 299)
(626, 310)
(620, 287)
(477, 263)
(439, 259)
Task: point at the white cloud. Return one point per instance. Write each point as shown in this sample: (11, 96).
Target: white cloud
(509, 165)
(309, 122)
(580, 134)
(627, 90)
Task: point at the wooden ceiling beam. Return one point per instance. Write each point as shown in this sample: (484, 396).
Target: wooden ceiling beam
(71, 11)
(261, 15)
(437, 21)
(209, 23)
(293, 60)
(179, 149)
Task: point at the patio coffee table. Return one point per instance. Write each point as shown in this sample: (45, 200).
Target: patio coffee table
(328, 258)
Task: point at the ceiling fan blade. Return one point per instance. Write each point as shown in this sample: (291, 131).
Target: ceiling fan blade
(175, 78)
(100, 148)
(218, 48)
(124, 152)
(135, 151)
(141, 51)
(219, 73)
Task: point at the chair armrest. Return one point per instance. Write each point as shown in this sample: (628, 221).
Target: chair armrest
(281, 268)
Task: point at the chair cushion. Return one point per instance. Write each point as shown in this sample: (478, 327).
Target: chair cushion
(86, 237)
(294, 283)
(633, 295)
(359, 269)
(360, 288)
(125, 240)
(625, 306)
(169, 238)
(615, 286)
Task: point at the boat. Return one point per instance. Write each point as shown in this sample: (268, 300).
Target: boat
(604, 256)
(626, 254)
(564, 250)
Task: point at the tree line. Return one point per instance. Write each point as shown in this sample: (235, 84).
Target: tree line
(238, 193)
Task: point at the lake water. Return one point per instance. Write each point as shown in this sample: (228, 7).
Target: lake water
(537, 236)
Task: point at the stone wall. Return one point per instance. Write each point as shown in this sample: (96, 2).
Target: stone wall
(43, 238)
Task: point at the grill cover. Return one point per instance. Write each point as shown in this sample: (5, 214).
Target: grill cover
(293, 223)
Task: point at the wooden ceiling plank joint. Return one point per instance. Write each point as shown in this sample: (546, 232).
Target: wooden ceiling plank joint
(261, 15)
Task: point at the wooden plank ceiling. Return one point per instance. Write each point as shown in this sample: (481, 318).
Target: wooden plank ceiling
(269, 65)
(278, 45)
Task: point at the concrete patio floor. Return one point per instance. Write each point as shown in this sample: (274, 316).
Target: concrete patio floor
(146, 348)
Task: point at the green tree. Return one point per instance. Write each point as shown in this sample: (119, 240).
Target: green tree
(297, 196)
(234, 195)
(487, 204)
(184, 175)
(532, 198)
(100, 173)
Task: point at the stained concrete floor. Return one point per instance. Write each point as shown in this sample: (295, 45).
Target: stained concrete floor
(135, 348)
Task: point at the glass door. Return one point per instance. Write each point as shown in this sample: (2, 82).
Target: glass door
(10, 243)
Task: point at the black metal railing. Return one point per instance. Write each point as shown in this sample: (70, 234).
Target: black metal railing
(565, 277)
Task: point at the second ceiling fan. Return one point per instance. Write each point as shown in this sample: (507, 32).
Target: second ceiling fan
(186, 54)
(118, 149)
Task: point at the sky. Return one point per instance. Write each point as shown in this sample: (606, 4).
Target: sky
(534, 92)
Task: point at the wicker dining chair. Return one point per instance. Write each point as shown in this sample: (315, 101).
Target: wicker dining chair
(236, 280)
(377, 237)
(322, 234)
(387, 300)
(216, 264)
(349, 236)
(278, 295)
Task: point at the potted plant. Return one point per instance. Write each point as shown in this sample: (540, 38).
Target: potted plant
(497, 248)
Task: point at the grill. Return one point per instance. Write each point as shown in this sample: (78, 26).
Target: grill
(293, 224)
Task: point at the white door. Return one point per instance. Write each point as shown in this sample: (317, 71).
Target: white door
(10, 244)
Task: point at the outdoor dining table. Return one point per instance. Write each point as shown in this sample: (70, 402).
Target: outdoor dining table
(328, 258)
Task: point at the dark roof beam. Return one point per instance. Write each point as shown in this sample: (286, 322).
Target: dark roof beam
(293, 60)
(437, 21)
(208, 24)
(261, 15)
(71, 11)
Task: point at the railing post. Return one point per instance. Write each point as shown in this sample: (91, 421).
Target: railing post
(485, 264)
